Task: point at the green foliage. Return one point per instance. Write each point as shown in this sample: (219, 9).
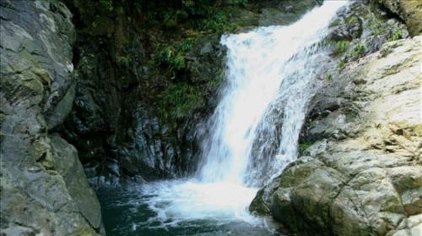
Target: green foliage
(166, 54)
(198, 15)
(341, 47)
(175, 58)
(106, 4)
(171, 18)
(341, 65)
(178, 62)
(328, 77)
(304, 146)
(172, 58)
(358, 51)
(218, 22)
(123, 61)
(178, 101)
(186, 45)
(172, 29)
(188, 3)
(395, 36)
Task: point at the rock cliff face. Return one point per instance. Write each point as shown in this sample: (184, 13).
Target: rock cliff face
(134, 117)
(409, 11)
(43, 188)
(144, 84)
(363, 173)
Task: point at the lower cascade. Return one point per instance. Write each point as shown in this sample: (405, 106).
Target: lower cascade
(253, 133)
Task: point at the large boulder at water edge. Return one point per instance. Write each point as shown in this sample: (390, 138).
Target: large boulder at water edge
(43, 190)
(364, 177)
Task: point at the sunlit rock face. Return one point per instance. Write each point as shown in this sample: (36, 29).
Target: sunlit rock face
(365, 176)
(44, 190)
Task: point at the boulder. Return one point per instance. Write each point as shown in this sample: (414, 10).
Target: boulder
(44, 190)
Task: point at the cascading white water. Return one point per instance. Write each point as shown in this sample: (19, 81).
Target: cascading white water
(269, 74)
(264, 66)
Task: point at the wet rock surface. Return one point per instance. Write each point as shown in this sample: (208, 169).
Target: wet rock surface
(132, 118)
(362, 174)
(44, 190)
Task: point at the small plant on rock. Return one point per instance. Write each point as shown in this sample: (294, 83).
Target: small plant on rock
(341, 47)
(358, 51)
(395, 36)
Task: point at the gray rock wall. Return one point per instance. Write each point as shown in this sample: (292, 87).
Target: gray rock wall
(117, 119)
(43, 189)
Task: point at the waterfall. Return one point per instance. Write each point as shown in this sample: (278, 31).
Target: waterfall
(254, 129)
(270, 73)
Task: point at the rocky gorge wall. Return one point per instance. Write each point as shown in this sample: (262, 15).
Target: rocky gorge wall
(359, 172)
(134, 116)
(44, 190)
(147, 78)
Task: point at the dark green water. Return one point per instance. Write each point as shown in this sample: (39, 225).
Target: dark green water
(127, 211)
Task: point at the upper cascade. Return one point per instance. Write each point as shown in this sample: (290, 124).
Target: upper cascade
(269, 74)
